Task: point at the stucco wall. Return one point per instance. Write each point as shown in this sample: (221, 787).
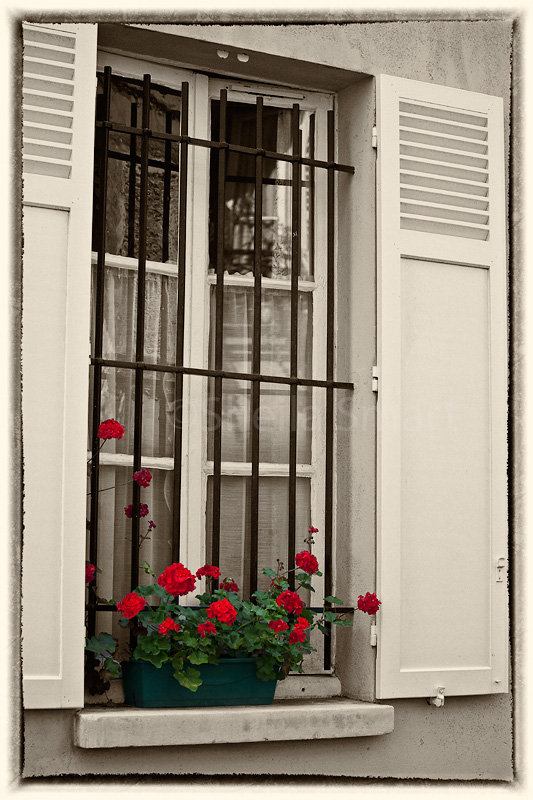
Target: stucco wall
(471, 737)
(462, 740)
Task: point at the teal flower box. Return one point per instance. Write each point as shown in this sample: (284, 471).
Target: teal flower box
(231, 682)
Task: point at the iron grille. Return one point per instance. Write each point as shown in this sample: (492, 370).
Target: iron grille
(104, 153)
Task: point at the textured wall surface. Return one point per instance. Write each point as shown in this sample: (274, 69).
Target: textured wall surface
(463, 740)
(471, 737)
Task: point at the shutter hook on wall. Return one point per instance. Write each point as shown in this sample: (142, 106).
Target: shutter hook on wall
(438, 701)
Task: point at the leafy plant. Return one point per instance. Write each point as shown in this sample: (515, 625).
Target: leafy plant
(274, 626)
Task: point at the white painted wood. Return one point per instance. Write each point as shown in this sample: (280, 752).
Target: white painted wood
(56, 291)
(442, 360)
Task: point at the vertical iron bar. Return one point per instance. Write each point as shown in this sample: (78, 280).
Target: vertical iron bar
(103, 136)
(166, 188)
(330, 356)
(219, 328)
(256, 346)
(312, 197)
(132, 183)
(178, 386)
(295, 274)
(139, 343)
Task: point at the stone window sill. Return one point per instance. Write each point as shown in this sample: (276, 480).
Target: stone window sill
(301, 719)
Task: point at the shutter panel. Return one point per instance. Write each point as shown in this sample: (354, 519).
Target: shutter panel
(58, 119)
(442, 404)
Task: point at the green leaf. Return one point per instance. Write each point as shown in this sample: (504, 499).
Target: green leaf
(112, 667)
(177, 663)
(100, 644)
(261, 596)
(269, 572)
(198, 657)
(147, 568)
(344, 622)
(322, 629)
(331, 599)
(330, 616)
(189, 678)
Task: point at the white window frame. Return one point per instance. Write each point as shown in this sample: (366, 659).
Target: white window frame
(195, 465)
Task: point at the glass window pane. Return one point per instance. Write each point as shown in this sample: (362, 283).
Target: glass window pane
(275, 360)
(239, 194)
(114, 552)
(118, 402)
(273, 525)
(122, 220)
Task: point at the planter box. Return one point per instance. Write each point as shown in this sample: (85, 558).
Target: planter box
(231, 682)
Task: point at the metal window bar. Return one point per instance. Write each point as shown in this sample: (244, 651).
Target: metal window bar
(178, 388)
(132, 184)
(104, 127)
(256, 347)
(295, 274)
(330, 371)
(219, 322)
(139, 341)
(103, 143)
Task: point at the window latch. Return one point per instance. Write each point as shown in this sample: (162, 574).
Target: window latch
(438, 700)
(500, 566)
(375, 137)
(375, 379)
(373, 636)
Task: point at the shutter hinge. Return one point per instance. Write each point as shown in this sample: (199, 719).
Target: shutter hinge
(375, 137)
(373, 635)
(375, 379)
(438, 700)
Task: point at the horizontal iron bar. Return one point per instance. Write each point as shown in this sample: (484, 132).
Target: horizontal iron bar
(176, 137)
(341, 610)
(152, 162)
(218, 373)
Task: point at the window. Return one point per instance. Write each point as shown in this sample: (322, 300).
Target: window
(423, 267)
(212, 334)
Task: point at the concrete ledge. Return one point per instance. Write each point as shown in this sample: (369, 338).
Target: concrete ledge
(284, 720)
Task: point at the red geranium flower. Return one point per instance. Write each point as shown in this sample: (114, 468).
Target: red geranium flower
(223, 611)
(168, 625)
(229, 585)
(306, 561)
(206, 627)
(110, 429)
(313, 530)
(90, 571)
(177, 579)
(278, 625)
(151, 525)
(143, 511)
(131, 605)
(297, 634)
(143, 477)
(211, 571)
(302, 622)
(290, 602)
(369, 603)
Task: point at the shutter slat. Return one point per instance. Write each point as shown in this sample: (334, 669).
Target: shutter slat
(442, 366)
(442, 196)
(49, 77)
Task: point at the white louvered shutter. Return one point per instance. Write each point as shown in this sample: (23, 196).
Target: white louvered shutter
(58, 120)
(442, 403)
